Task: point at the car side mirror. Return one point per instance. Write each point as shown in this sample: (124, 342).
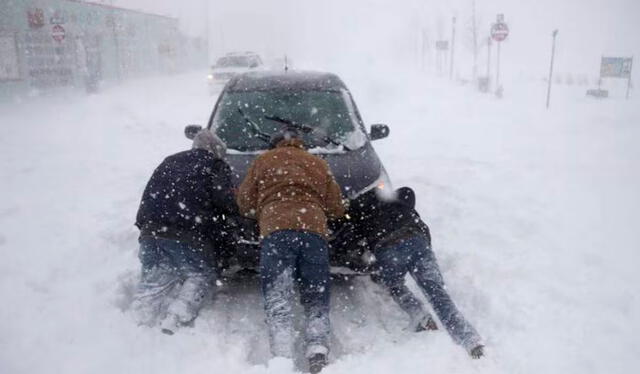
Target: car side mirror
(190, 131)
(253, 65)
(379, 131)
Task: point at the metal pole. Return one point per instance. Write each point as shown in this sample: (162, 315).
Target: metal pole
(453, 41)
(475, 41)
(629, 81)
(489, 64)
(600, 75)
(207, 31)
(423, 49)
(498, 68)
(553, 52)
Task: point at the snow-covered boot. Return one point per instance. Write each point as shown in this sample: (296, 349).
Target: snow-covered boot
(189, 299)
(477, 351)
(152, 294)
(317, 362)
(426, 323)
(169, 324)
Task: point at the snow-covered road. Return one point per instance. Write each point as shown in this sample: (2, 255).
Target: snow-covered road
(534, 215)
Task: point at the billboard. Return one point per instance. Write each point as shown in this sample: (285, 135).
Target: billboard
(616, 67)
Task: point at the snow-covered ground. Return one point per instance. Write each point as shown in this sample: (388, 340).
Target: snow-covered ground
(534, 215)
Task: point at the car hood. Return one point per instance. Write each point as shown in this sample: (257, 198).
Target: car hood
(355, 170)
(235, 70)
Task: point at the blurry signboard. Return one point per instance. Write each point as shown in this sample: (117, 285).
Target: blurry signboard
(58, 18)
(9, 68)
(616, 67)
(499, 31)
(36, 18)
(442, 45)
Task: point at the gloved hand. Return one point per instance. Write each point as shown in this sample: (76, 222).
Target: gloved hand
(477, 351)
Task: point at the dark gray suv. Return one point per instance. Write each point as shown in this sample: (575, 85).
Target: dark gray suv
(252, 106)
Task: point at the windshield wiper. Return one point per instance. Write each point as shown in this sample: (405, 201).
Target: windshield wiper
(307, 130)
(254, 128)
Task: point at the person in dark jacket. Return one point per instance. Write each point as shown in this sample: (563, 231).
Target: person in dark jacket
(183, 221)
(401, 243)
(292, 192)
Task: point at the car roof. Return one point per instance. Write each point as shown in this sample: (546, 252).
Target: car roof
(247, 53)
(285, 81)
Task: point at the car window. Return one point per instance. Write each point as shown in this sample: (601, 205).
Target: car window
(328, 112)
(232, 61)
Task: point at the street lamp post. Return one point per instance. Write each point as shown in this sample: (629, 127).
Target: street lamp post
(553, 52)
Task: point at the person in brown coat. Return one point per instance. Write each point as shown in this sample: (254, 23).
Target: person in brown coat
(292, 193)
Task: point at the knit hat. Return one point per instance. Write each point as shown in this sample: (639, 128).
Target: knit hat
(288, 134)
(207, 140)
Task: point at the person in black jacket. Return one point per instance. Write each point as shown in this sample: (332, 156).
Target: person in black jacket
(401, 243)
(183, 223)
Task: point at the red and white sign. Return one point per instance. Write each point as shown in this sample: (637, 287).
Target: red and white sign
(36, 18)
(499, 31)
(58, 33)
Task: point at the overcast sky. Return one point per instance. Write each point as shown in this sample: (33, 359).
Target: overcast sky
(370, 31)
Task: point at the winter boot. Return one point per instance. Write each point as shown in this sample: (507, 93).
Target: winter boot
(169, 324)
(152, 294)
(425, 323)
(317, 362)
(477, 351)
(189, 299)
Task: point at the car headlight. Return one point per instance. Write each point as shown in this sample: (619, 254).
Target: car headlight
(210, 77)
(382, 186)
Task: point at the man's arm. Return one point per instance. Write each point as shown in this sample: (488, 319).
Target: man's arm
(334, 205)
(247, 196)
(223, 196)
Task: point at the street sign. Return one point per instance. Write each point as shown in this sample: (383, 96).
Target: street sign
(58, 33)
(442, 45)
(58, 18)
(615, 67)
(36, 18)
(499, 31)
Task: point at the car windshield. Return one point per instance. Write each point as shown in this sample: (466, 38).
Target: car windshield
(233, 61)
(329, 113)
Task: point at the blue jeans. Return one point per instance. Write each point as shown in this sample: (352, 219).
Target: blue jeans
(414, 255)
(289, 255)
(176, 277)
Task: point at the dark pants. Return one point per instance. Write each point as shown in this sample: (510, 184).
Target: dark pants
(414, 255)
(176, 277)
(303, 257)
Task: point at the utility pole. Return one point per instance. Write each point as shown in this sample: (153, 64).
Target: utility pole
(629, 80)
(498, 68)
(489, 63)
(423, 48)
(206, 30)
(475, 40)
(553, 52)
(453, 44)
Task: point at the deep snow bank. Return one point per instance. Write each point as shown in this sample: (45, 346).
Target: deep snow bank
(533, 215)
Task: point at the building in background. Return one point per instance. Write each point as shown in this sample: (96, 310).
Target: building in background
(56, 44)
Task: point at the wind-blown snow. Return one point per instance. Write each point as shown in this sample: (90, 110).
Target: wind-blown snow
(533, 213)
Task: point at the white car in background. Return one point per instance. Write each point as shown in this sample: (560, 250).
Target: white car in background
(231, 65)
(280, 63)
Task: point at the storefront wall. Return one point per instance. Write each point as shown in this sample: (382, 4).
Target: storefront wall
(53, 44)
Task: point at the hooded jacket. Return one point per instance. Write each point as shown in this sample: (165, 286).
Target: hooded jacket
(189, 195)
(375, 224)
(287, 188)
